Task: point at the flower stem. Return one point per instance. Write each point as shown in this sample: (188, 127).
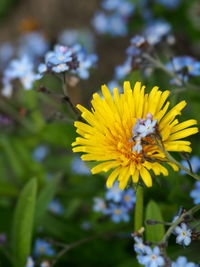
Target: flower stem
(138, 220)
(173, 160)
(178, 221)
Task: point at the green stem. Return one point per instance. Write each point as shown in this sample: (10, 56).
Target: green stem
(178, 221)
(138, 209)
(173, 160)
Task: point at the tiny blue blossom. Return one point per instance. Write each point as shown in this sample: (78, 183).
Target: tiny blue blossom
(195, 164)
(33, 44)
(182, 262)
(114, 193)
(118, 213)
(40, 153)
(30, 262)
(124, 69)
(43, 248)
(60, 55)
(178, 64)
(114, 84)
(79, 167)
(99, 205)
(156, 31)
(21, 69)
(100, 22)
(195, 193)
(138, 146)
(45, 264)
(86, 61)
(56, 207)
(183, 234)
(129, 198)
(117, 25)
(139, 246)
(6, 52)
(126, 8)
(110, 5)
(151, 258)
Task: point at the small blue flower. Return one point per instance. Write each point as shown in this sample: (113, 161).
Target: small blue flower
(21, 69)
(124, 69)
(6, 52)
(99, 205)
(100, 22)
(139, 246)
(118, 213)
(60, 68)
(86, 225)
(18, 68)
(43, 248)
(183, 234)
(117, 25)
(40, 153)
(152, 257)
(60, 55)
(195, 193)
(195, 163)
(178, 64)
(126, 8)
(156, 31)
(56, 207)
(30, 262)
(33, 44)
(114, 84)
(86, 62)
(79, 167)
(114, 193)
(45, 264)
(129, 198)
(182, 262)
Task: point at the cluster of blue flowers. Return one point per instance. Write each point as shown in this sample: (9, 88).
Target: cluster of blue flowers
(117, 203)
(155, 32)
(20, 63)
(41, 248)
(153, 257)
(30, 263)
(185, 67)
(146, 255)
(113, 20)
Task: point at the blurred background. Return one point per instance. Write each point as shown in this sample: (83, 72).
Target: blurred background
(51, 207)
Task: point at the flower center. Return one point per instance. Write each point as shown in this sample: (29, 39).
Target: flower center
(117, 211)
(183, 233)
(127, 198)
(153, 257)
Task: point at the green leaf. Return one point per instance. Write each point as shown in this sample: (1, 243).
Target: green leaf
(23, 223)
(156, 232)
(45, 196)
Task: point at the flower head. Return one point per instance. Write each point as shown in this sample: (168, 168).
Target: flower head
(114, 193)
(118, 213)
(30, 262)
(182, 262)
(43, 248)
(183, 234)
(139, 246)
(195, 193)
(107, 135)
(152, 258)
(129, 198)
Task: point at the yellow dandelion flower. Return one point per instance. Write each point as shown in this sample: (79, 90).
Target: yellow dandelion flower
(108, 134)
